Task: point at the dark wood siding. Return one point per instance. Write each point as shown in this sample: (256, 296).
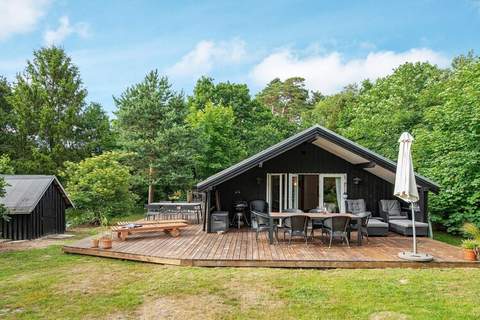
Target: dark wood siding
(307, 158)
(47, 217)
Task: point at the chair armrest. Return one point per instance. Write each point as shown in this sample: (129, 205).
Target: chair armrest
(383, 214)
(364, 214)
(261, 214)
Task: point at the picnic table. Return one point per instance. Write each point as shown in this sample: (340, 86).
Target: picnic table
(170, 227)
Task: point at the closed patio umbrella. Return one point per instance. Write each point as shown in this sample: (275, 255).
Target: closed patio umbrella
(406, 189)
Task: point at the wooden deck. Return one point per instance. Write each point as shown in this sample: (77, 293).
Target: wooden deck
(240, 249)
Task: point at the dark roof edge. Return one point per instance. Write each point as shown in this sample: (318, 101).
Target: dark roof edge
(52, 179)
(296, 140)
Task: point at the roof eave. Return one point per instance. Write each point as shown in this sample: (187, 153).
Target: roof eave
(296, 140)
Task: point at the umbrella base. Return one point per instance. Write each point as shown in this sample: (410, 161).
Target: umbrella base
(418, 257)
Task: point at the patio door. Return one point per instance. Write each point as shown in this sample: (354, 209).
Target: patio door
(293, 191)
(277, 191)
(332, 188)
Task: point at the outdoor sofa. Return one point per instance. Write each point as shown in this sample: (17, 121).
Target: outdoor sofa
(375, 227)
(398, 220)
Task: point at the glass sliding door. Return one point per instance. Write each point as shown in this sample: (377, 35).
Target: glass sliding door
(276, 183)
(306, 191)
(332, 187)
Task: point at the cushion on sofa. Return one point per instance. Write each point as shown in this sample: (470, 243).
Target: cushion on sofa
(392, 207)
(404, 227)
(356, 205)
(377, 228)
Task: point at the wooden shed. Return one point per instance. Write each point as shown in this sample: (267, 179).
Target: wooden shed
(36, 206)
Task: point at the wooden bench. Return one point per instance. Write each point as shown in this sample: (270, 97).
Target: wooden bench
(147, 222)
(171, 228)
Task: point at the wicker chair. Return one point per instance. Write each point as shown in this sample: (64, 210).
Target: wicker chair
(296, 226)
(263, 220)
(391, 210)
(337, 226)
(316, 223)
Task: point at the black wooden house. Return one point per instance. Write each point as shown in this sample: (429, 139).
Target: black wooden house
(36, 205)
(310, 169)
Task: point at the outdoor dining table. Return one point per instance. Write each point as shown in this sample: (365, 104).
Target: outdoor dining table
(319, 216)
(156, 209)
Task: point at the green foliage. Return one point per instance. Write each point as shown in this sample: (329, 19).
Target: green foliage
(470, 244)
(151, 123)
(448, 148)
(396, 103)
(330, 111)
(218, 139)
(266, 129)
(3, 209)
(6, 166)
(472, 231)
(441, 108)
(6, 117)
(234, 95)
(51, 122)
(100, 186)
(287, 98)
(255, 126)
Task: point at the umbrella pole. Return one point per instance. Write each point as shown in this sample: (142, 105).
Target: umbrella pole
(413, 230)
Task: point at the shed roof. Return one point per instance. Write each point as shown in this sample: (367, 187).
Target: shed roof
(329, 141)
(23, 192)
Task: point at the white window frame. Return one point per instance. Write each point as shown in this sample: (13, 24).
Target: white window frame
(282, 200)
(286, 191)
(343, 182)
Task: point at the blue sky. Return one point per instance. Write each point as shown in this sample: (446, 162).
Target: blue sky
(330, 43)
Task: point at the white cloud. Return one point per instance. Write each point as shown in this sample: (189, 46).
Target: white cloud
(64, 30)
(20, 16)
(206, 55)
(329, 73)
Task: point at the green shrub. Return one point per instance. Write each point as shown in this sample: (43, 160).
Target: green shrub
(100, 186)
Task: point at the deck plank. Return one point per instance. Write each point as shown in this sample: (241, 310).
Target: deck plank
(241, 248)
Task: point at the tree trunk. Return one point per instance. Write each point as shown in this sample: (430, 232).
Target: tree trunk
(151, 186)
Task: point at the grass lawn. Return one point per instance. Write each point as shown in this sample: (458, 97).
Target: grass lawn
(447, 238)
(48, 284)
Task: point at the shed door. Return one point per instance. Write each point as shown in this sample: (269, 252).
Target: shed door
(49, 215)
(49, 220)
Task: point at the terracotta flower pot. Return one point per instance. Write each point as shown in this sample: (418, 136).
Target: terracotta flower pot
(106, 243)
(469, 254)
(94, 243)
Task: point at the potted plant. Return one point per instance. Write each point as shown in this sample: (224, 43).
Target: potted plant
(473, 244)
(469, 249)
(106, 238)
(94, 242)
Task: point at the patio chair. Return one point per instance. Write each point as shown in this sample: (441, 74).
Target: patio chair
(391, 210)
(296, 226)
(363, 227)
(316, 223)
(337, 226)
(261, 217)
(356, 206)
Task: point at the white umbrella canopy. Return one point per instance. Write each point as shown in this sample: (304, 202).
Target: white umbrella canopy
(405, 184)
(406, 189)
